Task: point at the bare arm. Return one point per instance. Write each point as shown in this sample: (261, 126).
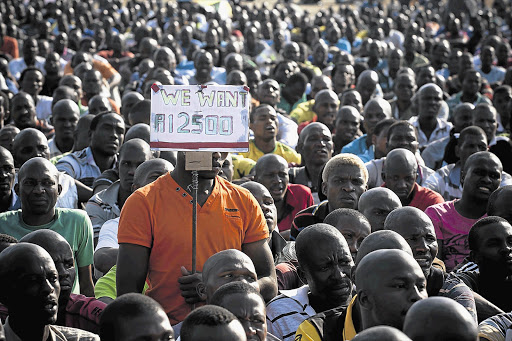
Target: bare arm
(260, 254)
(86, 284)
(105, 258)
(484, 308)
(132, 268)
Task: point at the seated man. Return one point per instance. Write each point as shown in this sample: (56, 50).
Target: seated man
(264, 124)
(439, 319)
(266, 202)
(325, 289)
(470, 91)
(499, 201)
(75, 311)
(65, 115)
(490, 240)
(33, 305)
(376, 203)
(404, 89)
(212, 323)
(381, 333)
(246, 303)
(7, 195)
(346, 126)
(304, 111)
(453, 219)
(38, 189)
(376, 303)
(325, 108)
(374, 111)
(315, 147)
(134, 317)
(107, 204)
(399, 174)
(344, 180)
(418, 230)
(401, 134)
(272, 172)
(446, 180)
(352, 224)
(382, 240)
(107, 136)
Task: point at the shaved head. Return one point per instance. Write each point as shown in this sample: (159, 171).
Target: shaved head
(440, 319)
(376, 204)
(139, 130)
(150, 170)
(267, 159)
(382, 240)
(381, 333)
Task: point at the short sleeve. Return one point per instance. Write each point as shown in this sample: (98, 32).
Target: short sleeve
(135, 223)
(458, 291)
(85, 254)
(108, 234)
(106, 285)
(65, 166)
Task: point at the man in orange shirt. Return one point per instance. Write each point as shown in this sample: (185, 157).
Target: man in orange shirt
(155, 236)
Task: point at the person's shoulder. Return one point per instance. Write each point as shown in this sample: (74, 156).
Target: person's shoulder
(299, 189)
(73, 334)
(72, 213)
(8, 215)
(440, 208)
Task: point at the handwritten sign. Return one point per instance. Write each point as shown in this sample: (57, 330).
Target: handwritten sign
(199, 117)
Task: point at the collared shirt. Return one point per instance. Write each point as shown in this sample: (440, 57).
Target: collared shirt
(358, 147)
(442, 130)
(456, 100)
(287, 311)
(16, 66)
(54, 150)
(103, 206)
(54, 333)
(446, 181)
(81, 166)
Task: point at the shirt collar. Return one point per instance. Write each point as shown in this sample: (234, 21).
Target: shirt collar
(349, 331)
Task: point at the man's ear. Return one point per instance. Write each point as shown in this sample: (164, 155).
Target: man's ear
(324, 188)
(201, 291)
(364, 300)
(59, 188)
(17, 189)
(302, 275)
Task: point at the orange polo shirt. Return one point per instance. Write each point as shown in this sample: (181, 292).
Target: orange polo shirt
(159, 217)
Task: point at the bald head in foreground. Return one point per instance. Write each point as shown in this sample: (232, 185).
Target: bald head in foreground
(381, 333)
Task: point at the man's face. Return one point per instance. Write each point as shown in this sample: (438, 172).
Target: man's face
(487, 56)
(98, 105)
(266, 202)
(109, 135)
(400, 179)
(231, 270)
(426, 75)
(234, 63)
(92, 82)
(397, 286)
(472, 83)
(63, 258)
(227, 169)
(347, 126)
(37, 288)
(373, 114)
(395, 60)
(403, 137)
(440, 54)
(250, 310)
(165, 60)
(502, 207)
(354, 230)
(405, 88)
(283, 72)
(495, 247)
(264, 125)
(377, 211)
(318, 146)
(23, 112)
(274, 176)
(64, 123)
(421, 237)
(154, 326)
(325, 109)
(203, 65)
(129, 160)
(353, 98)
(429, 103)
(6, 174)
(33, 145)
(52, 64)
(74, 83)
(217, 161)
(32, 82)
(269, 92)
(501, 102)
(30, 49)
(482, 178)
(461, 119)
(485, 118)
(344, 78)
(329, 270)
(39, 191)
(291, 52)
(470, 145)
(344, 187)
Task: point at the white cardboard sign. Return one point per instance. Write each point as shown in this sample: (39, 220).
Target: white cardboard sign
(200, 118)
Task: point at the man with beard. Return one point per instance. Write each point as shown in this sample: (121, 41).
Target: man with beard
(233, 220)
(30, 289)
(327, 270)
(272, 172)
(315, 147)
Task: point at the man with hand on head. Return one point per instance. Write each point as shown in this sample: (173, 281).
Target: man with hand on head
(33, 304)
(376, 203)
(418, 230)
(327, 272)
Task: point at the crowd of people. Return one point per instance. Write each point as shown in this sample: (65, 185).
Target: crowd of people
(372, 203)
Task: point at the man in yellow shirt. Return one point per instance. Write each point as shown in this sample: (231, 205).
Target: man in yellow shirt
(263, 123)
(388, 283)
